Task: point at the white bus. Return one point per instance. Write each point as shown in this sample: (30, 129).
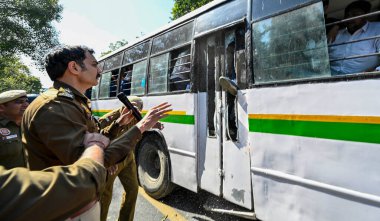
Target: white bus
(258, 117)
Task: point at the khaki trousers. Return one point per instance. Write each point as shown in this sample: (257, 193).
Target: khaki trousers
(127, 174)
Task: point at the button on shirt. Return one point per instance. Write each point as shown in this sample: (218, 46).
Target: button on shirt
(356, 65)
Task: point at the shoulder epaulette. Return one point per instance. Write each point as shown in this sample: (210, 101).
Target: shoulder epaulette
(65, 92)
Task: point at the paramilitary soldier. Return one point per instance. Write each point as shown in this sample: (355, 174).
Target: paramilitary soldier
(12, 106)
(54, 124)
(56, 192)
(126, 170)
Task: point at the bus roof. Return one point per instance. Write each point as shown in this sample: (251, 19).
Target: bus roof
(180, 20)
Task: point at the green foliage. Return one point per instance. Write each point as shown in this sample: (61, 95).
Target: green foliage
(16, 76)
(113, 46)
(182, 7)
(26, 27)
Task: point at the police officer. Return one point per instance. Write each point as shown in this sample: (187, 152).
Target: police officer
(126, 170)
(56, 192)
(54, 124)
(12, 106)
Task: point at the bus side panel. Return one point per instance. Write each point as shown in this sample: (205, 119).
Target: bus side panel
(209, 150)
(101, 107)
(236, 159)
(179, 133)
(315, 151)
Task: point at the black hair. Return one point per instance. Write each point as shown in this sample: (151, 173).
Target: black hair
(361, 4)
(326, 2)
(56, 61)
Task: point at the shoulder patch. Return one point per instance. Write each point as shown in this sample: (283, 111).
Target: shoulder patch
(65, 92)
(5, 131)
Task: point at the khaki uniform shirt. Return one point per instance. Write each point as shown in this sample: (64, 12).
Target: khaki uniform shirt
(11, 150)
(52, 194)
(54, 125)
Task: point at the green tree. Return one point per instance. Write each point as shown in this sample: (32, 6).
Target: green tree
(15, 75)
(113, 46)
(26, 27)
(182, 7)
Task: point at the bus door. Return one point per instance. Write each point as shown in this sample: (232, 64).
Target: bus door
(224, 160)
(235, 152)
(209, 54)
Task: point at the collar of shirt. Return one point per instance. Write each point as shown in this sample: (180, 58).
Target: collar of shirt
(360, 30)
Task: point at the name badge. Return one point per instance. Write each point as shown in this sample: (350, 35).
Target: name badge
(11, 136)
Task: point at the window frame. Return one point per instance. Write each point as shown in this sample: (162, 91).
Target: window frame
(327, 79)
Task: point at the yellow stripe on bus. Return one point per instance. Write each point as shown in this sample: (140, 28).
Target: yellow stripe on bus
(169, 113)
(320, 118)
(166, 210)
(102, 111)
(146, 111)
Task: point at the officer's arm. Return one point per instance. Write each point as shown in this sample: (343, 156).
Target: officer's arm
(52, 194)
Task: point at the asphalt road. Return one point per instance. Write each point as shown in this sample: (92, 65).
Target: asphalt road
(180, 205)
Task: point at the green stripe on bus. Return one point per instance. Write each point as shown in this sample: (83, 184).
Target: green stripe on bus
(359, 132)
(178, 119)
(99, 113)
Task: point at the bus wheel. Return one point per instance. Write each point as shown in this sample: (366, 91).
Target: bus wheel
(153, 167)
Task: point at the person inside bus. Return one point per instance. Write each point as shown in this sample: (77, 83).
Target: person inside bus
(356, 29)
(179, 76)
(125, 83)
(331, 30)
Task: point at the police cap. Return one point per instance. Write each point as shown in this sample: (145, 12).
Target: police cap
(137, 100)
(11, 95)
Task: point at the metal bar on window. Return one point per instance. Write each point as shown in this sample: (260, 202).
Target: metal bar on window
(176, 82)
(353, 18)
(182, 64)
(183, 72)
(354, 41)
(187, 55)
(356, 56)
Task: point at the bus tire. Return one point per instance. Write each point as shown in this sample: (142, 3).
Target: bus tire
(153, 167)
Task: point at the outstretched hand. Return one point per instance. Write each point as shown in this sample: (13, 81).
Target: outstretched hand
(153, 116)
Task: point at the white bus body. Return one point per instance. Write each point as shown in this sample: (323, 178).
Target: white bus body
(294, 143)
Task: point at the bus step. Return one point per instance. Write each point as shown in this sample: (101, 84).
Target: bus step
(245, 215)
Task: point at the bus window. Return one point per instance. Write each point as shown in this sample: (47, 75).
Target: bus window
(104, 85)
(158, 74)
(108, 84)
(113, 83)
(355, 46)
(126, 80)
(138, 78)
(178, 36)
(94, 92)
(291, 46)
(113, 62)
(136, 53)
(179, 78)
(264, 8)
